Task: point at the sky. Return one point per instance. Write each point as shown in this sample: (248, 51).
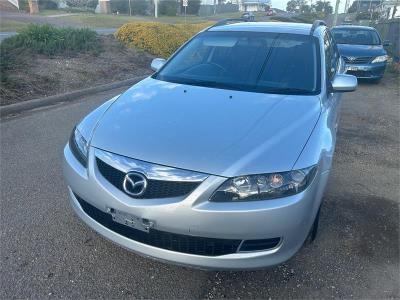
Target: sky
(281, 4)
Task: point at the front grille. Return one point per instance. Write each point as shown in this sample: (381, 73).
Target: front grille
(155, 188)
(161, 239)
(357, 60)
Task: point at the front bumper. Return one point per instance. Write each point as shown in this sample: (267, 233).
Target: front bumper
(288, 218)
(366, 71)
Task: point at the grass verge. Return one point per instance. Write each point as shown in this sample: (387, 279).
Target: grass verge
(11, 25)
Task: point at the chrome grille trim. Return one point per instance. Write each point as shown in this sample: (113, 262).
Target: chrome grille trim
(357, 60)
(151, 171)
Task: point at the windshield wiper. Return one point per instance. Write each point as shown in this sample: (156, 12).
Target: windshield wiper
(291, 91)
(203, 83)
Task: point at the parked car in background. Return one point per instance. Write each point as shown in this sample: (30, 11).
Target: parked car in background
(219, 159)
(362, 50)
(248, 16)
(271, 12)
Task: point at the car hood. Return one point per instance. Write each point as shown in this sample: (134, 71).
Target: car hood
(214, 131)
(360, 50)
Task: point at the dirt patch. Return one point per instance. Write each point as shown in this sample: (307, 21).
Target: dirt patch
(40, 76)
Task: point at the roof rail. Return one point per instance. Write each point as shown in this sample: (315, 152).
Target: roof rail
(316, 24)
(228, 21)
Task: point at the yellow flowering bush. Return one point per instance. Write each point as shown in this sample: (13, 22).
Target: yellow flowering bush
(159, 39)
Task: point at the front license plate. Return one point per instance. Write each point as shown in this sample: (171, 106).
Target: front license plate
(130, 220)
(352, 68)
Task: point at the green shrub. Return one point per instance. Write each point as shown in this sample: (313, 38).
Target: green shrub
(47, 4)
(367, 16)
(77, 3)
(24, 5)
(49, 40)
(157, 38)
(309, 17)
(9, 60)
(168, 7)
(281, 19)
(92, 4)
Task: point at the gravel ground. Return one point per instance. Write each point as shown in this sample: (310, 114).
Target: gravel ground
(47, 252)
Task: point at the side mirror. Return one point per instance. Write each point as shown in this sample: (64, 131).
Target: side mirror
(344, 83)
(157, 63)
(387, 43)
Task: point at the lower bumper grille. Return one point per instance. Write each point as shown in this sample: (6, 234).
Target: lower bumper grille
(360, 73)
(161, 239)
(178, 242)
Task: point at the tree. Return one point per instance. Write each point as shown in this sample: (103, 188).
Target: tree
(291, 6)
(193, 7)
(298, 6)
(323, 6)
(33, 6)
(305, 8)
(353, 8)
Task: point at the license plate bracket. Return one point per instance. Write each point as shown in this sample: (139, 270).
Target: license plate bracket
(130, 220)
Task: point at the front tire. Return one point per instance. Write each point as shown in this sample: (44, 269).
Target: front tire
(376, 81)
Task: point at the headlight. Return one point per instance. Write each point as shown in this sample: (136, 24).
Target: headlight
(79, 146)
(264, 186)
(379, 59)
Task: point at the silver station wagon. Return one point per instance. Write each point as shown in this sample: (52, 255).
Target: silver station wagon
(219, 160)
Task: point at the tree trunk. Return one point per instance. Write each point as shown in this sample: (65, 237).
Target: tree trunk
(33, 6)
(105, 7)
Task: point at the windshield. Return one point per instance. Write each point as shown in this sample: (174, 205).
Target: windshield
(356, 36)
(248, 61)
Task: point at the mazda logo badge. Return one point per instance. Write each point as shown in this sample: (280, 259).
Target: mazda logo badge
(134, 184)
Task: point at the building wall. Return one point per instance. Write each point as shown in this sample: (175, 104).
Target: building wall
(253, 5)
(249, 7)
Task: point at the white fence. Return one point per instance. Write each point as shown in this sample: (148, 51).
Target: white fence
(14, 2)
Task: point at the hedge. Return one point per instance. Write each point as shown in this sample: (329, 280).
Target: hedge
(157, 38)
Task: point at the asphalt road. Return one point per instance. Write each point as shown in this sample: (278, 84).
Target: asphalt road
(47, 252)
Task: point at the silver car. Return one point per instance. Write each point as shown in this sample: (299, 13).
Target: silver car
(220, 158)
